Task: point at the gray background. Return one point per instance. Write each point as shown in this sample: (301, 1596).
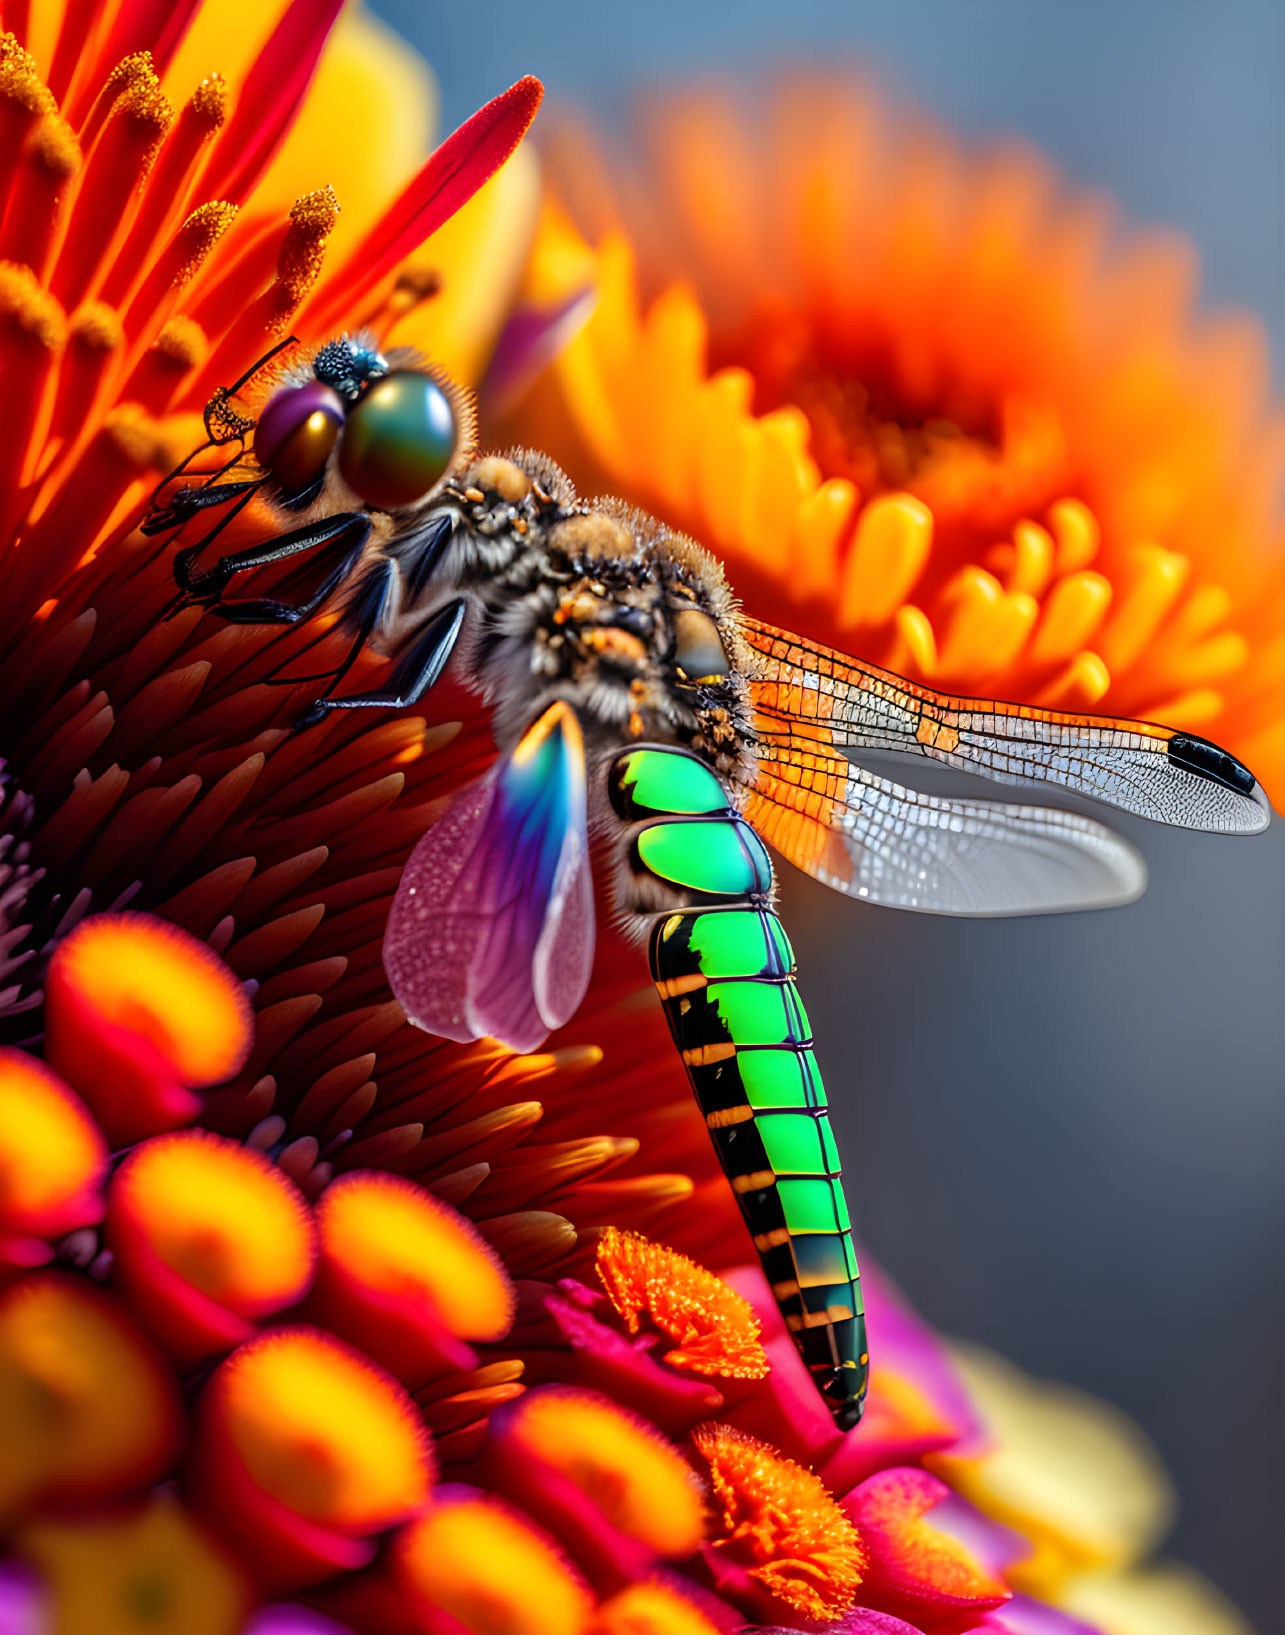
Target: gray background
(1063, 1137)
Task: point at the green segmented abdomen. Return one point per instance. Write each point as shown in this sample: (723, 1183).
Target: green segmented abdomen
(725, 976)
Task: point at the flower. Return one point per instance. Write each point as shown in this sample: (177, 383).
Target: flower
(968, 430)
(293, 1303)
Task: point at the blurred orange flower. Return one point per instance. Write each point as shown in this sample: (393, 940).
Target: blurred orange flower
(934, 397)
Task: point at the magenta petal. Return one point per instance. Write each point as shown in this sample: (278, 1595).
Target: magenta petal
(861, 1621)
(528, 343)
(628, 1372)
(1024, 1616)
(292, 1620)
(24, 1608)
(997, 1547)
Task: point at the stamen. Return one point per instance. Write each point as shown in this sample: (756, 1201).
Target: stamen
(126, 452)
(32, 332)
(106, 203)
(169, 186)
(298, 261)
(47, 166)
(94, 340)
(23, 99)
(133, 73)
(175, 268)
(180, 348)
(312, 220)
(714, 1329)
(779, 1523)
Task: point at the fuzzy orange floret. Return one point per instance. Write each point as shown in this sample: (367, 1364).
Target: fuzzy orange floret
(139, 1014)
(641, 1484)
(398, 1264)
(780, 1522)
(650, 1609)
(208, 1235)
(88, 1407)
(714, 1329)
(323, 1431)
(477, 1561)
(52, 1156)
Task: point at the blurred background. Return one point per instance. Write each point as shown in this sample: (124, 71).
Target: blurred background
(1063, 1137)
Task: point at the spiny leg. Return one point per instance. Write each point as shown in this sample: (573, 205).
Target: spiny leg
(414, 674)
(368, 606)
(351, 526)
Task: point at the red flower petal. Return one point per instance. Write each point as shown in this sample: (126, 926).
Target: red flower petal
(269, 100)
(449, 179)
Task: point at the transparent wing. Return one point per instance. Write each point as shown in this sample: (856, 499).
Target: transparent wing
(872, 839)
(810, 698)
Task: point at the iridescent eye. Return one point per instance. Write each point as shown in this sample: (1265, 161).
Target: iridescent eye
(698, 649)
(400, 440)
(296, 433)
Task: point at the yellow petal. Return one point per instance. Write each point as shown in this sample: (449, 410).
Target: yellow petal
(1074, 1475)
(1167, 1599)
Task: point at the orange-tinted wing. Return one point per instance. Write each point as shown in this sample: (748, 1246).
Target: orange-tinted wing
(811, 700)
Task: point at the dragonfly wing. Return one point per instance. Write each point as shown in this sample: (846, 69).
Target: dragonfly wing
(870, 838)
(492, 927)
(810, 698)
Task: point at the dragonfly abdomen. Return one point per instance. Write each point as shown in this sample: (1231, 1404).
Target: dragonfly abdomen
(724, 970)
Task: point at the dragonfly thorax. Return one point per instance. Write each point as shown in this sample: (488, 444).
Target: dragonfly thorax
(597, 605)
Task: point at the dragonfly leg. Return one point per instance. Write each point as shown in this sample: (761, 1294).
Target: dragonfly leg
(350, 527)
(415, 673)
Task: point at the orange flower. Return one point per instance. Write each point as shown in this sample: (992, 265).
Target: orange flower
(927, 396)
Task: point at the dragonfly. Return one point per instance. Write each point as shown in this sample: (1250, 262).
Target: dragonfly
(653, 735)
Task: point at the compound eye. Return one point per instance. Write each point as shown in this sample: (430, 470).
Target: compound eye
(400, 440)
(295, 434)
(698, 648)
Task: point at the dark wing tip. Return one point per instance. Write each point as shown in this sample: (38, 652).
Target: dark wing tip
(1209, 761)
